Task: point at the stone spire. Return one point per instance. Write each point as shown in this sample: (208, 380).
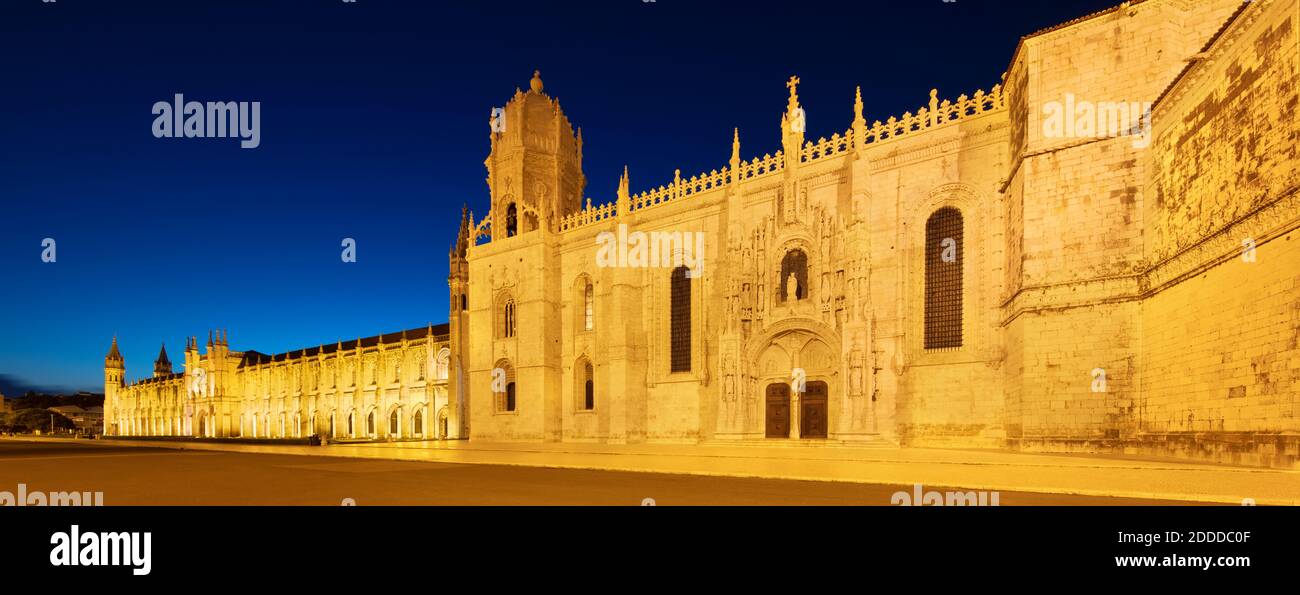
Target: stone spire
(462, 236)
(114, 356)
(859, 122)
(793, 126)
(162, 366)
(624, 204)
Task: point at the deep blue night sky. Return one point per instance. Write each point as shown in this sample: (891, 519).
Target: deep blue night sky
(374, 126)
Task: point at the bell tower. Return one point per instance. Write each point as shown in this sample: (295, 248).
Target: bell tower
(535, 164)
(458, 331)
(114, 379)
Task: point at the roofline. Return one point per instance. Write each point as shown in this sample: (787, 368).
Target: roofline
(1070, 23)
(1191, 65)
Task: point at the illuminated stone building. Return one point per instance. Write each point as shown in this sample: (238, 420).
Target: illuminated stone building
(390, 386)
(1098, 253)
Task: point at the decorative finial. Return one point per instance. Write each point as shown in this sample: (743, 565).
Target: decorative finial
(859, 123)
(536, 83)
(623, 205)
(794, 92)
(735, 146)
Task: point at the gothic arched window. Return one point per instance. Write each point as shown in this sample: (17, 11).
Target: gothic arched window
(512, 220)
(589, 307)
(680, 321)
(795, 263)
(944, 254)
(586, 383)
(394, 423)
(507, 328)
(503, 386)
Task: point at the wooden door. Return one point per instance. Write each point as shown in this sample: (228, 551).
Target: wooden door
(778, 410)
(812, 411)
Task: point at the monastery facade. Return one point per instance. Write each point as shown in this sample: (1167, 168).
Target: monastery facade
(391, 386)
(1100, 253)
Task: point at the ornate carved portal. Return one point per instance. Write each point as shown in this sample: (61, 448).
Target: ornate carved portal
(797, 372)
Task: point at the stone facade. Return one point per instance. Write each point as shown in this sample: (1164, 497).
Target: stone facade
(1103, 302)
(385, 387)
(1100, 253)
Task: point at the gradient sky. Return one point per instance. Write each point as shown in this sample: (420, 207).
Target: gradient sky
(374, 125)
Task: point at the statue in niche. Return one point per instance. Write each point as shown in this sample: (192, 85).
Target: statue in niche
(791, 288)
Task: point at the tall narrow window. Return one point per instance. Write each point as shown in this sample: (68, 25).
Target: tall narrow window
(508, 319)
(370, 424)
(589, 303)
(944, 254)
(393, 424)
(417, 423)
(680, 323)
(589, 388)
(503, 386)
(512, 220)
(584, 385)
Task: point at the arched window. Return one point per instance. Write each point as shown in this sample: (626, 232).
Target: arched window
(507, 327)
(589, 306)
(794, 264)
(394, 425)
(584, 385)
(352, 426)
(944, 254)
(589, 387)
(680, 323)
(370, 424)
(503, 386)
(417, 423)
(512, 220)
(442, 364)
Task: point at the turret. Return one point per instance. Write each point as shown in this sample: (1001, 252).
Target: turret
(162, 366)
(114, 379)
(535, 165)
(458, 324)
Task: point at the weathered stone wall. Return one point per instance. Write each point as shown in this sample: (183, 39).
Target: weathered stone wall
(1221, 360)
(1072, 315)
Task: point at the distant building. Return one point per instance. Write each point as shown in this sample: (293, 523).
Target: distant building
(87, 420)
